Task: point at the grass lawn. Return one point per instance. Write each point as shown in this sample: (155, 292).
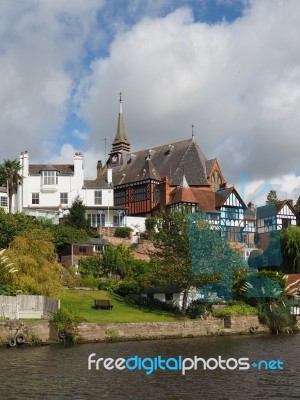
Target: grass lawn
(83, 301)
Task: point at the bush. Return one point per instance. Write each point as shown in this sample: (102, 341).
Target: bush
(123, 232)
(127, 287)
(238, 308)
(90, 266)
(90, 281)
(66, 321)
(198, 308)
(109, 284)
(277, 314)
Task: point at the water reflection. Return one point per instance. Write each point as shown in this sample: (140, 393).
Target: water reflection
(57, 372)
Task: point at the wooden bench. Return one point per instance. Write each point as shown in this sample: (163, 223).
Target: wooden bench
(103, 304)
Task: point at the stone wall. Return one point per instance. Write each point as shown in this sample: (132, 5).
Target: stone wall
(43, 330)
(94, 332)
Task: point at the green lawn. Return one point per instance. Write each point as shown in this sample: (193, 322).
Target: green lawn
(83, 301)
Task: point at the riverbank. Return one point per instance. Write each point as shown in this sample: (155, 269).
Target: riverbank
(44, 332)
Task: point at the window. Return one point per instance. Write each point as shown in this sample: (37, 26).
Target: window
(140, 193)
(232, 213)
(96, 219)
(35, 198)
(3, 201)
(286, 222)
(64, 198)
(82, 249)
(98, 196)
(120, 197)
(169, 296)
(50, 178)
(150, 295)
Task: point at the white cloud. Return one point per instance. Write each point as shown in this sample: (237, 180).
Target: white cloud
(238, 83)
(40, 51)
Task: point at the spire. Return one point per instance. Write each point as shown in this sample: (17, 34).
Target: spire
(121, 142)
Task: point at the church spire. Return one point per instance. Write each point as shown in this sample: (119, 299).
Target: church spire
(121, 141)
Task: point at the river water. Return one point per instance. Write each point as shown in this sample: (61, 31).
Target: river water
(61, 372)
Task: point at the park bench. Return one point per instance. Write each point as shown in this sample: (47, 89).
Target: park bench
(103, 304)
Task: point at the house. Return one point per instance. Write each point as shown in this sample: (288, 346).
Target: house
(144, 179)
(275, 217)
(48, 191)
(171, 294)
(73, 252)
(3, 198)
(224, 208)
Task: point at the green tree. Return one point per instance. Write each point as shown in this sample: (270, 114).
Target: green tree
(171, 260)
(64, 234)
(34, 257)
(272, 197)
(297, 205)
(10, 176)
(290, 244)
(150, 224)
(117, 260)
(76, 216)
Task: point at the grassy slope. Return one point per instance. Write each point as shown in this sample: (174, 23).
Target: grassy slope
(83, 301)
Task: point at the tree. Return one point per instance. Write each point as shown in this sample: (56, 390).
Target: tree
(10, 176)
(76, 216)
(34, 258)
(172, 258)
(297, 205)
(290, 244)
(272, 197)
(150, 224)
(117, 260)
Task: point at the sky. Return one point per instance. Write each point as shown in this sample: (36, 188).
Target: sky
(229, 67)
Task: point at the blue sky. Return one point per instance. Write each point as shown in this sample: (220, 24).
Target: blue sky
(230, 67)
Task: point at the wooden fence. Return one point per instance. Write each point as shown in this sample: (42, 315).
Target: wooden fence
(27, 306)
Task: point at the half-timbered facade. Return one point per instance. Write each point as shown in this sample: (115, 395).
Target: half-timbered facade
(275, 217)
(144, 179)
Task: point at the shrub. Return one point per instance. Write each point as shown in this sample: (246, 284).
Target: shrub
(66, 321)
(90, 281)
(238, 308)
(123, 232)
(127, 287)
(109, 284)
(198, 308)
(277, 314)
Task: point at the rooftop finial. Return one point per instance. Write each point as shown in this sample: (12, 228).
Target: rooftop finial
(193, 131)
(120, 100)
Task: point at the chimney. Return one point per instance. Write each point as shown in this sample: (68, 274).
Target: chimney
(24, 161)
(78, 170)
(251, 205)
(99, 168)
(291, 201)
(109, 175)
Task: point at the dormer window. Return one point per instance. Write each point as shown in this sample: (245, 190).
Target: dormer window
(49, 177)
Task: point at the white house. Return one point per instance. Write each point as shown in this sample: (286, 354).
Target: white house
(48, 191)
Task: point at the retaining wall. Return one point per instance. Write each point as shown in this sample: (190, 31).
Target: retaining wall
(96, 332)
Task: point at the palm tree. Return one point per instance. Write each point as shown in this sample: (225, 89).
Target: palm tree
(10, 176)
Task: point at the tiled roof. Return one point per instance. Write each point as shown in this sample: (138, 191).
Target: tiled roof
(3, 189)
(272, 209)
(209, 165)
(64, 169)
(98, 183)
(175, 159)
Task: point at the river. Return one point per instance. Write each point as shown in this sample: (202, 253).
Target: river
(61, 372)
